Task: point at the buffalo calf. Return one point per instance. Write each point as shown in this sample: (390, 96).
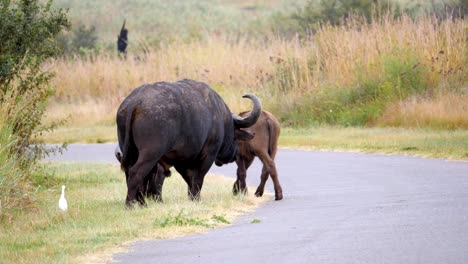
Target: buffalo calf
(264, 146)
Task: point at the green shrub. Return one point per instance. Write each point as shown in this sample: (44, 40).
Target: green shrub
(27, 30)
(402, 76)
(180, 219)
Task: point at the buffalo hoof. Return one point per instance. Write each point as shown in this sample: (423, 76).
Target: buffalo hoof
(156, 198)
(130, 205)
(236, 189)
(194, 198)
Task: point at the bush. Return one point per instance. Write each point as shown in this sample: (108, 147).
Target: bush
(17, 175)
(27, 30)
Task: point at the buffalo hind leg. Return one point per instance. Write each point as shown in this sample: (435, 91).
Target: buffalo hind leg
(154, 183)
(243, 165)
(269, 168)
(136, 177)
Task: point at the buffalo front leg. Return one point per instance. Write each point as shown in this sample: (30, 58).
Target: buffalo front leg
(191, 176)
(184, 172)
(197, 176)
(196, 184)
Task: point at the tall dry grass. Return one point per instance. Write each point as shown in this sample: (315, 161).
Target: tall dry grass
(446, 111)
(441, 47)
(281, 72)
(15, 185)
(217, 61)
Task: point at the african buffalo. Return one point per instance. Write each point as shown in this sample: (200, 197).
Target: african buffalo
(264, 146)
(184, 124)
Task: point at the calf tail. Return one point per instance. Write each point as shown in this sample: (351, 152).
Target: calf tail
(270, 137)
(128, 140)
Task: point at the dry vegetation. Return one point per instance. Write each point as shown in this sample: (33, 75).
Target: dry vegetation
(444, 111)
(403, 58)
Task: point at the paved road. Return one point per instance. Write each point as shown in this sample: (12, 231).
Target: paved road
(338, 208)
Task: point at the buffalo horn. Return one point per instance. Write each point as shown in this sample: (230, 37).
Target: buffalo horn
(248, 121)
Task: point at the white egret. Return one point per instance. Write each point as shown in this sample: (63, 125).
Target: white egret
(63, 205)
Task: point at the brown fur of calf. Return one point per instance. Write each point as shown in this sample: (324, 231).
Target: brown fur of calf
(264, 146)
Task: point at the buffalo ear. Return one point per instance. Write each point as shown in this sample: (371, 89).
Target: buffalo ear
(244, 135)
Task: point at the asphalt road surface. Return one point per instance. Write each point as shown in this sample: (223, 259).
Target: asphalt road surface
(337, 208)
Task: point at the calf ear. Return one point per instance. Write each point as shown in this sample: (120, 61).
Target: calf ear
(244, 135)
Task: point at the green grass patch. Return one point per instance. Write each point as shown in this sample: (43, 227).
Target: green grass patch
(220, 219)
(181, 219)
(81, 134)
(452, 144)
(97, 222)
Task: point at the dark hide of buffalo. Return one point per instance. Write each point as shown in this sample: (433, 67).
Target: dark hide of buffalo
(154, 181)
(264, 146)
(184, 124)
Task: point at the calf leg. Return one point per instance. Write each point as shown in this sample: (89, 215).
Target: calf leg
(269, 168)
(263, 180)
(240, 185)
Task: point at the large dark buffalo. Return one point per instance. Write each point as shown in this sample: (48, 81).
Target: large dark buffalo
(184, 124)
(263, 146)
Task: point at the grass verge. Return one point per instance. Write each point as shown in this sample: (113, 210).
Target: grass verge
(451, 144)
(97, 222)
(81, 134)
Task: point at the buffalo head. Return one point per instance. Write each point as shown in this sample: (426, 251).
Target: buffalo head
(230, 149)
